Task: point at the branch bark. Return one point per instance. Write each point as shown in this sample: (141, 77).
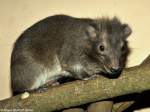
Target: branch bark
(132, 80)
(120, 107)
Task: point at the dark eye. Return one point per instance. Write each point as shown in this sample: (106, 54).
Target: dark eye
(101, 48)
(123, 48)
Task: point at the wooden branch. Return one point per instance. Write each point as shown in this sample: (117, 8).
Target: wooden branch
(120, 107)
(132, 80)
(101, 106)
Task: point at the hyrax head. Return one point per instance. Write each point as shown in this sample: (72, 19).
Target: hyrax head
(107, 45)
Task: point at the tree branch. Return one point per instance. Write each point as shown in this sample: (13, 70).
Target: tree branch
(120, 107)
(132, 80)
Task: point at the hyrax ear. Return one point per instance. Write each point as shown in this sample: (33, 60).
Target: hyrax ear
(126, 30)
(91, 32)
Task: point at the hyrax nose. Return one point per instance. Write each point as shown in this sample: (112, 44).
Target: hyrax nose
(115, 70)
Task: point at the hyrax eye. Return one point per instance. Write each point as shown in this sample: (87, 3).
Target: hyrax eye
(123, 48)
(101, 48)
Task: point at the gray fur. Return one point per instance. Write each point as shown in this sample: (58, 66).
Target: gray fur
(61, 46)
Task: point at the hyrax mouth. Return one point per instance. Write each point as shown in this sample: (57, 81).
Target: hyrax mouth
(111, 72)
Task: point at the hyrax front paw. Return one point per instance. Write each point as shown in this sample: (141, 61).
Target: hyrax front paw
(41, 89)
(55, 84)
(91, 77)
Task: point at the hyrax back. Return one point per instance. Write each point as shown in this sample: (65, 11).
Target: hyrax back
(64, 46)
